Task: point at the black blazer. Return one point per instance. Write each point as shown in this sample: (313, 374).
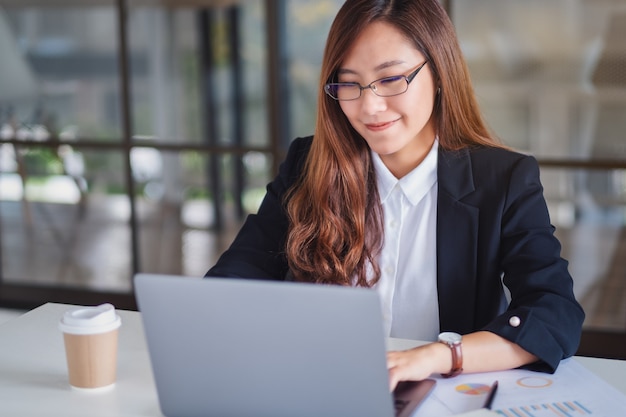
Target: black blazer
(493, 226)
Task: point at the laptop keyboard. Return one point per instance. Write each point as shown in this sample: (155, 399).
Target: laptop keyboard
(399, 405)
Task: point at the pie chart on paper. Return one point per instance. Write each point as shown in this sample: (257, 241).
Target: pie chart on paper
(473, 389)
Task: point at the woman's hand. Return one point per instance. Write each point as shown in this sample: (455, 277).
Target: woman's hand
(417, 363)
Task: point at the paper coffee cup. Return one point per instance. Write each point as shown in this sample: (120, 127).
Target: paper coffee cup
(90, 335)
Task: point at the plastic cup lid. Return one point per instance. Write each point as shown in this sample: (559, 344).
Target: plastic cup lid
(90, 320)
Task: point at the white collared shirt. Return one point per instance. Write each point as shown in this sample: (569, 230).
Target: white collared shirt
(408, 262)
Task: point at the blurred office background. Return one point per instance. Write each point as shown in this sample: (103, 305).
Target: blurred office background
(135, 135)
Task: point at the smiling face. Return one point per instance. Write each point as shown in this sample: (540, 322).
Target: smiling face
(400, 128)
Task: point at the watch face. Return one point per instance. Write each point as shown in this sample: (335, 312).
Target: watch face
(450, 337)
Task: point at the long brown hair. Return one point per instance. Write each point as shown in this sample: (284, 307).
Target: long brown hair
(336, 218)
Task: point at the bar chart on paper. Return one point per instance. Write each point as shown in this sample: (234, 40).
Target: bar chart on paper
(571, 408)
(554, 409)
(572, 391)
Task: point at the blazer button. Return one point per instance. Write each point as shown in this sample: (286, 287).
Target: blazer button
(514, 321)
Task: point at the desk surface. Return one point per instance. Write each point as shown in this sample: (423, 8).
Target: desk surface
(33, 370)
(33, 373)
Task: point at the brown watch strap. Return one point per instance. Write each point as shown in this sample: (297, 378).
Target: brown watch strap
(457, 360)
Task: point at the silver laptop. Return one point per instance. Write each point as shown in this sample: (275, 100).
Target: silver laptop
(233, 347)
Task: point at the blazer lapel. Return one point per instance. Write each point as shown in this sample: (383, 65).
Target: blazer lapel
(457, 228)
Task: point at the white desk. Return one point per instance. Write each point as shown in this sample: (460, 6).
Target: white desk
(33, 373)
(33, 370)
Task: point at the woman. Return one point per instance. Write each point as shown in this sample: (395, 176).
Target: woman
(404, 189)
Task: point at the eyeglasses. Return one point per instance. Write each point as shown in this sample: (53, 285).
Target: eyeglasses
(383, 87)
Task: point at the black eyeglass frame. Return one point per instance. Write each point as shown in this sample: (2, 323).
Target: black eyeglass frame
(328, 87)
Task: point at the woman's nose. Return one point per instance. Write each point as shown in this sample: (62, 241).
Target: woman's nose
(372, 103)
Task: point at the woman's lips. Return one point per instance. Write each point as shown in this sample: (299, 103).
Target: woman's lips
(376, 127)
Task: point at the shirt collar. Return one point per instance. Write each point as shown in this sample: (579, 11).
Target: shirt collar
(415, 184)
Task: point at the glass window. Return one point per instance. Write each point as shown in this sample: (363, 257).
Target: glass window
(550, 75)
(176, 206)
(588, 208)
(198, 154)
(64, 218)
(59, 72)
(172, 83)
(308, 24)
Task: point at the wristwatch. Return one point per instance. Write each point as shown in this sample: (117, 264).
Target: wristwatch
(453, 341)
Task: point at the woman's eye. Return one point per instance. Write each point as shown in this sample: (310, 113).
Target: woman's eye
(391, 80)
